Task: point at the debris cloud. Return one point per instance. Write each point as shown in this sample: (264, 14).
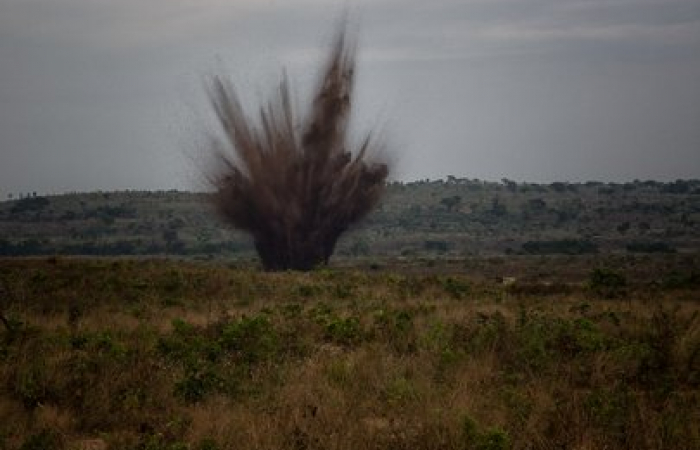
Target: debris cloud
(295, 184)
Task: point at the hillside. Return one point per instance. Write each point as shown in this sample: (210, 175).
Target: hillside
(452, 218)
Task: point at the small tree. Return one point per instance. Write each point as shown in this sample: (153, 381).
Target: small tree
(451, 202)
(295, 186)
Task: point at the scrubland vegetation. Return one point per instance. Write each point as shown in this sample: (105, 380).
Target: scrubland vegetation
(453, 218)
(484, 355)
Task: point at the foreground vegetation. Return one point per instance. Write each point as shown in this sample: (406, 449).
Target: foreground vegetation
(156, 354)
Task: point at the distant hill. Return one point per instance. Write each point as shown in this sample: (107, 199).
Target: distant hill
(452, 217)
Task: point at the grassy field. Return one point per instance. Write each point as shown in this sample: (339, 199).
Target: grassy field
(505, 353)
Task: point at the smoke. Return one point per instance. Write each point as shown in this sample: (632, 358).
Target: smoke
(295, 184)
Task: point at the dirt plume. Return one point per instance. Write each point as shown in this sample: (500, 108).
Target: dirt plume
(295, 185)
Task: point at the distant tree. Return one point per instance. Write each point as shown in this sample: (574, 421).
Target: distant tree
(436, 246)
(451, 202)
(623, 227)
(537, 204)
(650, 247)
(558, 187)
(563, 246)
(511, 185)
(360, 248)
(498, 208)
(30, 204)
(170, 235)
(677, 187)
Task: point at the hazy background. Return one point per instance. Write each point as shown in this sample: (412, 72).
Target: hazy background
(106, 94)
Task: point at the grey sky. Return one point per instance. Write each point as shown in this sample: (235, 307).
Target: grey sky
(105, 94)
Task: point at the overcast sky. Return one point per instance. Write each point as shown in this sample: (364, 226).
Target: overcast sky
(108, 94)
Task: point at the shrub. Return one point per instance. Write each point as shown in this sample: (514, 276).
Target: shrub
(252, 339)
(43, 440)
(437, 246)
(678, 280)
(455, 287)
(477, 438)
(31, 382)
(650, 247)
(198, 383)
(564, 246)
(397, 328)
(30, 204)
(345, 331)
(607, 282)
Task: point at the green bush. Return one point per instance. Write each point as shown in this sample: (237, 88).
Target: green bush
(474, 437)
(198, 383)
(252, 339)
(31, 382)
(456, 288)
(678, 280)
(395, 327)
(344, 331)
(607, 282)
(43, 440)
(576, 337)
(219, 357)
(610, 410)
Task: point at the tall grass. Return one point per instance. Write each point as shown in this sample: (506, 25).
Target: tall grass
(167, 355)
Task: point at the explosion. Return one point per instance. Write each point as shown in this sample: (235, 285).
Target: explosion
(295, 186)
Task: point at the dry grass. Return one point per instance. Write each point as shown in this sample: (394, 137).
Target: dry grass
(164, 355)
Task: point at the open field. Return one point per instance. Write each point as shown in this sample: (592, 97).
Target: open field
(575, 352)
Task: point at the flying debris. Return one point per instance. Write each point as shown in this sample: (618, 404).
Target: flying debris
(295, 185)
